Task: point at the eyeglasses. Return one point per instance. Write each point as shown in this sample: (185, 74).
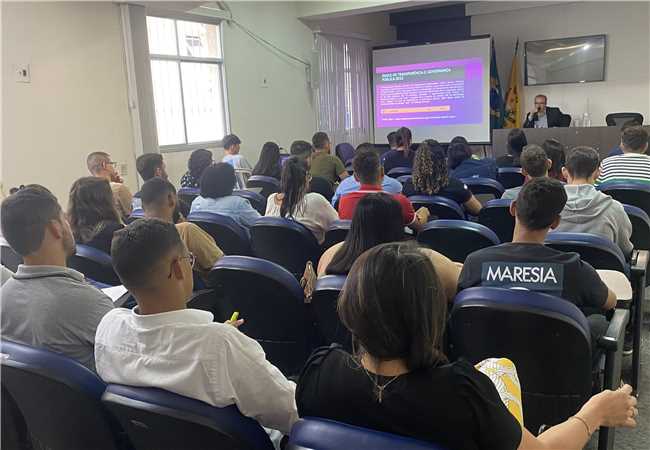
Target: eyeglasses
(190, 256)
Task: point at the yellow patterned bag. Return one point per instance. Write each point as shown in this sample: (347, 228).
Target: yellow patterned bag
(503, 373)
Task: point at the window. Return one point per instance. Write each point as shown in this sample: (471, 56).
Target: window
(187, 77)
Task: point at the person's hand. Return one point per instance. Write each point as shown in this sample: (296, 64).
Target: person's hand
(423, 214)
(235, 323)
(116, 178)
(615, 408)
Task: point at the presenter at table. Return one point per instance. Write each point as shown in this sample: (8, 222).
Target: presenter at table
(543, 116)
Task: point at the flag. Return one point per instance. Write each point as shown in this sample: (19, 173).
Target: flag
(496, 97)
(512, 115)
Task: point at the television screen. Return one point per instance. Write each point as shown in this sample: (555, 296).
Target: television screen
(568, 60)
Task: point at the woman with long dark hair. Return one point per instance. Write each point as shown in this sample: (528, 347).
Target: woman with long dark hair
(402, 156)
(294, 202)
(431, 177)
(269, 163)
(199, 160)
(92, 213)
(399, 381)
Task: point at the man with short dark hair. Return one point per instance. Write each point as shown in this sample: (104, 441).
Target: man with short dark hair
(534, 164)
(162, 343)
(149, 165)
(323, 164)
(588, 210)
(618, 150)
(243, 169)
(45, 304)
(100, 165)
(159, 201)
(516, 143)
(633, 164)
(369, 173)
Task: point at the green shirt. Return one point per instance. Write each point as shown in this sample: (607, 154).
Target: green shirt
(326, 166)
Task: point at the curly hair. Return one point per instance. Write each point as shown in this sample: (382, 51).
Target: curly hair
(90, 207)
(430, 174)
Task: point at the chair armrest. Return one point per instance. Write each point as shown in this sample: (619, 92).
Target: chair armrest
(639, 261)
(613, 338)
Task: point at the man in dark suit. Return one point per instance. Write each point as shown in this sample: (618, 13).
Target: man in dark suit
(544, 116)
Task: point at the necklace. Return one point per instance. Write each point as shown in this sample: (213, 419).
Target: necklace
(379, 387)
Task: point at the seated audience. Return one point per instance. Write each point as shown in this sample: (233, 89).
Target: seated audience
(319, 185)
(217, 184)
(399, 380)
(633, 164)
(463, 165)
(324, 164)
(92, 213)
(199, 160)
(516, 143)
(534, 164)
(100, 165)
(351, 184)
(149, 165)
(231, 147)
(555, 152)
(269, 163)
(378, 220)
(294, 202)
(588, 210)
(159, 201)
(402, 156)
(161, 343)
(430, 177)
(369, 173)
(45, 304)
(618, 149)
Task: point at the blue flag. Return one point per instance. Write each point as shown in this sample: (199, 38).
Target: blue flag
(496, 97)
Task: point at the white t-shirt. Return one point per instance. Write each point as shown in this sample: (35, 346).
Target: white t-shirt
(315, 213)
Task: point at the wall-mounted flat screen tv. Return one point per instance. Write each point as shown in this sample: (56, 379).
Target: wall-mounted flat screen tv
(566, 60)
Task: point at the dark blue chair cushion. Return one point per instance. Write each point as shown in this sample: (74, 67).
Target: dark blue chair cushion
(337, 232)
(495, 215)
(345, 152)
(94, 264)
(231, 237)
(399, 171)
(439, 207)
(629, 193)
(456, 238)
(256, 200)
(323, 303)
(269, 185)
(510, 177)
(480, 186)
(598, 251)
(640, 227)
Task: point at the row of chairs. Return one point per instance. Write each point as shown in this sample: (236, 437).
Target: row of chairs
(507, 177)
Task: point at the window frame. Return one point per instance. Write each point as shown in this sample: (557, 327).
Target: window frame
(178, 58)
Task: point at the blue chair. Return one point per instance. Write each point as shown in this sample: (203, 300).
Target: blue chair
(8, 256)
(598, 251)
(403, 179)
(337, 232)
(271, 301)
(456, 238)
(640, 227)
(548, 340)
(283, 158)
(59, 399)
(269, 185)
(323, 303)
(157, 419)
(256, 200)
(231, 237)
(188, 195)
(484, 186)
(510, 177)
(439, 207)
(495, 215)
(629, 193)
(284, 242)
(94, 264)
(321, 434)
(344, 151)
(399, 171)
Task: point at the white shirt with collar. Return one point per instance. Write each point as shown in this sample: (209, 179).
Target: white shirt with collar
(185, 352)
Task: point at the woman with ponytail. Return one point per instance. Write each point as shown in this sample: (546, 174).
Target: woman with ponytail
(294, 202)
(402, 156)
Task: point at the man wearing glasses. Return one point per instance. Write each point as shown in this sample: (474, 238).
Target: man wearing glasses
(543, 116)
(100, 165)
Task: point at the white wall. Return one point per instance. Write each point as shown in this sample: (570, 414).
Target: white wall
(76, 102)
(627, 26)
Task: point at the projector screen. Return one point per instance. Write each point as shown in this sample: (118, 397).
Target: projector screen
(437, 90)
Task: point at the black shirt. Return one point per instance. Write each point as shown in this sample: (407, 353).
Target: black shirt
(453, 405)
(395, 158)
(102, 239)
(537, 268)
(456, 190)
(508, 161)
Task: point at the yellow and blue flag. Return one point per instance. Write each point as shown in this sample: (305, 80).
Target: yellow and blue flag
(512, 114)
(496, 96)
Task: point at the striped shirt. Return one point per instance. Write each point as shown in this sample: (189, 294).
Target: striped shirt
(625, 167)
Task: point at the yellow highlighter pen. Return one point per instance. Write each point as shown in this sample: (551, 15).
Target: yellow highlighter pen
(234, 316)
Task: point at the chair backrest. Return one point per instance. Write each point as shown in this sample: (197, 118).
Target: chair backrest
(547, 338)
(157, 419)
(399, 171)
(565, 120)
(456, 238)
(94, 264)
(270, 300)
(321, 434)
(484, 186)
(510, 177)
(323, 303)
(231, 237)
(256, 200)
(8, 256)
(344, 151)
(598, 251)
(640, 227)
(495, 215)
(439, 207)
(285, 242)
(188, 194)
(269, 185)
(58, 397)
(618, 119)
(403, 179)
(629, 193)
(337, 232)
